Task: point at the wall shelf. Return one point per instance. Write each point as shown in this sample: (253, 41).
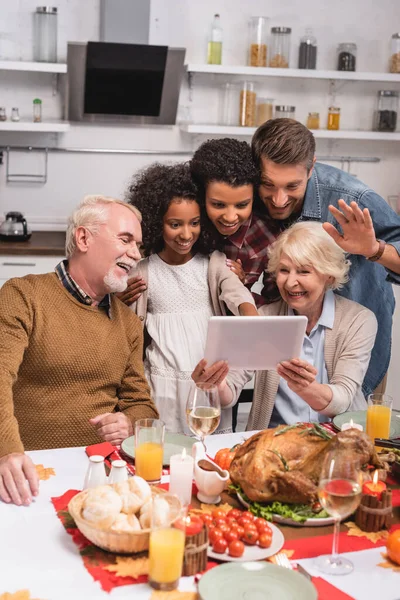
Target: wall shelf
(19, 65)
(344, 134)
(292, 73)
(44, 127)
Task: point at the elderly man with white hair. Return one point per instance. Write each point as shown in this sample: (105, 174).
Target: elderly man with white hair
(71, 369)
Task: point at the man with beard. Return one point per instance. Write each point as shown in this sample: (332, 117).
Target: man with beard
(70, 352)
(296, 188)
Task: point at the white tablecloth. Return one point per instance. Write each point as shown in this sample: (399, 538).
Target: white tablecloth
(37, 554)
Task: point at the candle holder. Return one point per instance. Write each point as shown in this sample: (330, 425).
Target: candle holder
(195, 556)
(373, 514)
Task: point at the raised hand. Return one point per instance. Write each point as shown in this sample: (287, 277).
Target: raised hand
(358, 230)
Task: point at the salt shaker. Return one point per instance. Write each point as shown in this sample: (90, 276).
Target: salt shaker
(118, 471)
(96, 473)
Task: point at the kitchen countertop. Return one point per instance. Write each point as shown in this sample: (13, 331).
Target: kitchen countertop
(41, 243)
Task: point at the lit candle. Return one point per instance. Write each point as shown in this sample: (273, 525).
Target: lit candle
(181, 476)
(351, 425)
(191, 524)
(374, 487)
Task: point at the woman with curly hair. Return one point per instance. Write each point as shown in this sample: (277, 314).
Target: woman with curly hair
(184, 286)
(226, 176)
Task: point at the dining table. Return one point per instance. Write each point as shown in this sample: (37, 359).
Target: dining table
(38, 555)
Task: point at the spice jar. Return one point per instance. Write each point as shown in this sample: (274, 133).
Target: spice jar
(14, 114)
(228, 103)
(265, 109)
(258, 42)
(308, 51)
(247, 110)
(313, 120)
(280, 47)
(347, 54)
(283, 111)
(3, 114)
(45, 34)
(394, 63)
(37, 110)
(386, 115)
(333, 118)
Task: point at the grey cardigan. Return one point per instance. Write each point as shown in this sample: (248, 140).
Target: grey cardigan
(225, 289)
(347, 352)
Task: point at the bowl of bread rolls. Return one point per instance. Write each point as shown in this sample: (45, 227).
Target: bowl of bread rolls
(118, 517)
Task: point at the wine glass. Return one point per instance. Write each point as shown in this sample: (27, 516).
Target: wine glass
(203, 410)
(339, 492)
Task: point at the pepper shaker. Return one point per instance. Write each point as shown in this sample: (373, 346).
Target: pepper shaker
(96, 473)
(118, 471)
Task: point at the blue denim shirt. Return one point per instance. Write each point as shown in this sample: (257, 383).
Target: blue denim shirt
(369, 282)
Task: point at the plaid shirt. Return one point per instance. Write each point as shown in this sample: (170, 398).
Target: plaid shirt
(250, 245)
(77, 292)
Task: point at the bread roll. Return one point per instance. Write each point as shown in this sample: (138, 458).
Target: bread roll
(133, 493)
(125, 524)
(101, 506)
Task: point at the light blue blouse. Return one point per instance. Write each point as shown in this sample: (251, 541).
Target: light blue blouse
(289, 407)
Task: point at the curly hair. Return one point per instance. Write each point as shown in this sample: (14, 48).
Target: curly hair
(152, 190)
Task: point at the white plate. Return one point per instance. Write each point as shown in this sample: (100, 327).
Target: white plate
(253, 552)
(286, 521)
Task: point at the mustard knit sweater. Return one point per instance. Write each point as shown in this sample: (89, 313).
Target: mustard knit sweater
(61, 363)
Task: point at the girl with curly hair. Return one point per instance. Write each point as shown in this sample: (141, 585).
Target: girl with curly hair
(227, 178)
(184, 286)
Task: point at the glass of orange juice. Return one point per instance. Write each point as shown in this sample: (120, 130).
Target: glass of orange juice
(149, 449)
(167, 543)
(379, 413)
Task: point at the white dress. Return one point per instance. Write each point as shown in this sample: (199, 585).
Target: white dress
(178, 309)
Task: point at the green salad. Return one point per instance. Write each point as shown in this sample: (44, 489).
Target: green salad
(296, 512)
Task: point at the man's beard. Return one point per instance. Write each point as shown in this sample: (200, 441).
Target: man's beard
(117, 284)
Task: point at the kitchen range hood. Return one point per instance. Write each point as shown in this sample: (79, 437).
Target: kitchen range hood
(122, 79)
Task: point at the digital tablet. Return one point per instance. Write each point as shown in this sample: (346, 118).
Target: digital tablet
(258, 343)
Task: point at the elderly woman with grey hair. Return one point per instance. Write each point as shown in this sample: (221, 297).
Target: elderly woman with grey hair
(326, 379)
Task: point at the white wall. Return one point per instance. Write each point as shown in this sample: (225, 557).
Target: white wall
(186, 23)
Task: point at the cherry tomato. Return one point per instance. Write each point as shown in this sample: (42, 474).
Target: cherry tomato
(240, 532)
(235, 513)
(231, 522)
(231, 535)
(220, 545)
(250, 527)
(243, 520)
(215, 534)
(265, 539)
(224, 527)
(236, 548)
(250, 537)
(248, 514)
(234, 525)
(262, 525)
(206, 518)
(217, 513)
(219, 521)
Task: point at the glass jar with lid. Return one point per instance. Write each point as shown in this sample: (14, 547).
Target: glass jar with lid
(394, 63)
(258, 41)
(346, 56)
(386, 115)
(333, 118)
(228, 103)
(265, 109)
(308, 51)
(280, 47)
(282, 111)
(45, 34)
(247, 104)
(3, 114)
(313, 120)
(15, 114)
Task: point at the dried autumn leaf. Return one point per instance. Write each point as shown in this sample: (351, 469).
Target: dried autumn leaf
(373, 536)
(173, 595)
(388, 564)
(208, 508)
(44, 474)
(129, 567)
(20, 595)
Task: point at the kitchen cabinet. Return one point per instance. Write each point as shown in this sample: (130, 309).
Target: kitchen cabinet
(18, 266)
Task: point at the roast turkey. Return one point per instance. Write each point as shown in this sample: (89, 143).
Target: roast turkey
(284, 463)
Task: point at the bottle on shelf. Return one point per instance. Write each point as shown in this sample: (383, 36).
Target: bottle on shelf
(15, 115)
(386, 115)
(347, 55)
(308, 51)
(258, 42)
(280, 47)
(45, 34)
(37, 110)
(333, 118)
(214, 50)
(265, 109)
(283, 111)
(247, 108)
(394, 63)
(313, 120)
(3, 114)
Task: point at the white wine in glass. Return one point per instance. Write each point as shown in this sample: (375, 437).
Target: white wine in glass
(339, 492)
(203, 410)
